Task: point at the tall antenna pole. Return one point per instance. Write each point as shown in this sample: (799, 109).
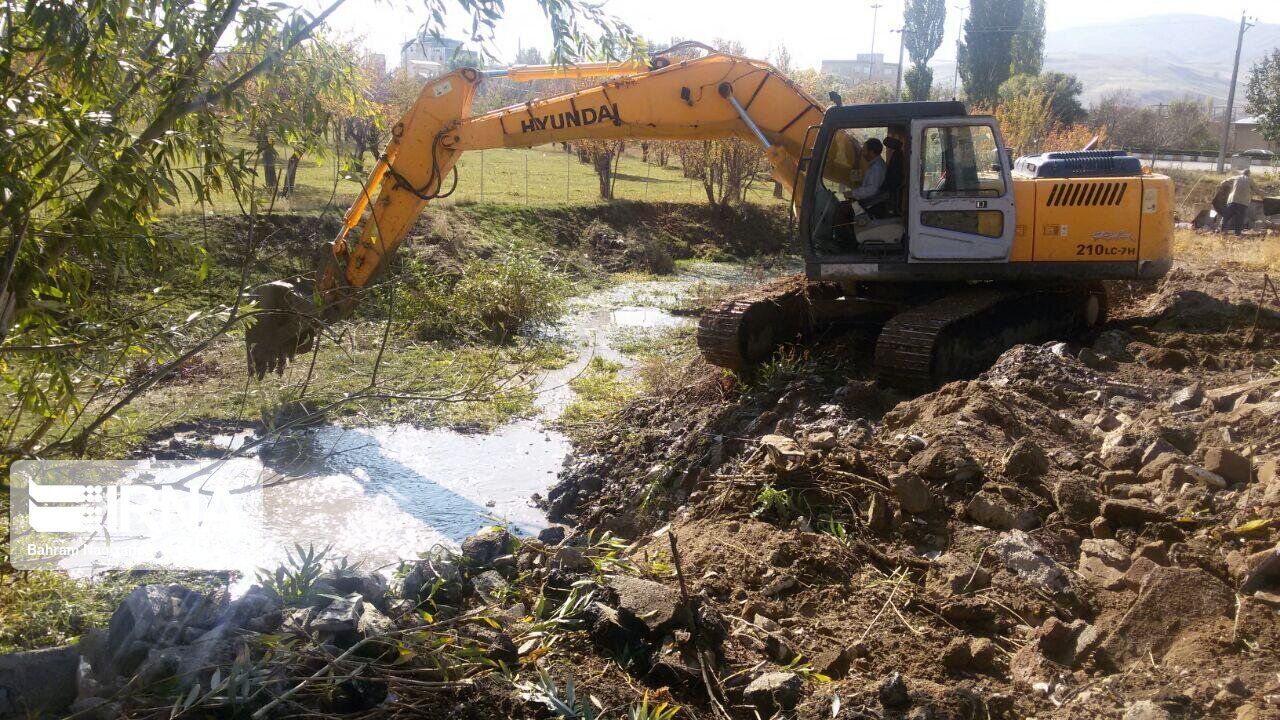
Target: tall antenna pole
(955, 77)
(1231, 94)
(902, 41)
(871, 61)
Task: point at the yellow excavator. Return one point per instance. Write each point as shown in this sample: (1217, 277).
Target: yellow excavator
(961, 254)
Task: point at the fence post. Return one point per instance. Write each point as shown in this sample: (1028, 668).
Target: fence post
(526, 176)
(647, 170)
(481, 176)
(566, 175)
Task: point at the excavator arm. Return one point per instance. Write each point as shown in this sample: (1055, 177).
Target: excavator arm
(713, 97)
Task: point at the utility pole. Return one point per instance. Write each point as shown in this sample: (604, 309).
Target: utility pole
(871, 60)
(1231, 94)
(955, 78)
(902, 38)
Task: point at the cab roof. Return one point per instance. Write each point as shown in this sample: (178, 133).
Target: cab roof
(881, 114)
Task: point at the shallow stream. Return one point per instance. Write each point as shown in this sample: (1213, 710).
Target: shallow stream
(381, 494)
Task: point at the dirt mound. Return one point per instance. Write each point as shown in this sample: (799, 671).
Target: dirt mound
(1066, 535)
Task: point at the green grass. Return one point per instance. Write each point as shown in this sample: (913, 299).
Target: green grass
(599, 391)
(553, 176)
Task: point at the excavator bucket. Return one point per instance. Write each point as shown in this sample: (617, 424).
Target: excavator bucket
(286, 322)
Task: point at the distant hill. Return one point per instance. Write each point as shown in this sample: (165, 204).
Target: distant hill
(1158, 58)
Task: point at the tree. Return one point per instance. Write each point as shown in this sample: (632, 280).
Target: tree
(922, 29)
(985, 53)
(530, 56)
(1182, 125)
(1263, 95)
(1063, 91)
(1028, 43)
(112, 109)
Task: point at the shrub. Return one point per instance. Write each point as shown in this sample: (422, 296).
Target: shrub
(504, 296)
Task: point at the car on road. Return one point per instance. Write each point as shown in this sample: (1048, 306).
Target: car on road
(1257, 154)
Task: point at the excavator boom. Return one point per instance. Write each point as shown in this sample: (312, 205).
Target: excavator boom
(712, 97)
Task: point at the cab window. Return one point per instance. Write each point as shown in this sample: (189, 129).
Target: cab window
(960, 161)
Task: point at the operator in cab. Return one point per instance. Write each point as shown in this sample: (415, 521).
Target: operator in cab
(873, 178)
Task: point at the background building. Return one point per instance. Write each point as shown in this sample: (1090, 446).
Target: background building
(431, 55)
(867, 67)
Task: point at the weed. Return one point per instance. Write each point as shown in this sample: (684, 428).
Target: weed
(566, 704)
(293, 582)
(805, 670)
(836, 529)
(775, 503)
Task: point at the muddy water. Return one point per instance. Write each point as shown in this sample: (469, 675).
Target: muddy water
(382, 494)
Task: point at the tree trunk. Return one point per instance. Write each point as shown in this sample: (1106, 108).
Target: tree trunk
(602, 161)
(290, 173)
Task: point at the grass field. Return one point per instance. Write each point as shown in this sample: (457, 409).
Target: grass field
(537, 176)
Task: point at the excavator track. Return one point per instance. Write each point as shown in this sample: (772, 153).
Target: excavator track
(744, 331)
(960, 335)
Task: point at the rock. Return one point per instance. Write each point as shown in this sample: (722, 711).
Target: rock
(893, 692)
(1076, 500)
(1087, 640)
(1131, 513)
(489, 585)
(1188, 398)
(1226, 397)
(1163, 358)
(1264, 570)
(1175, 608)
(340, 617)
(1145, 710)
(1155, 469)
(1158, 447)
(912, 493)
(494, 644)
(833, 662)
(1269, 481)
(372, 587)
(784, 454)
(570, 558)
(1027, 559)
(1205, 477)
(1175, 476)
(1156, 551)
(257, 610)
(879, 514)
(373, 623)
(215, 649)
(437, 572)
(650, 604)
(945, 461)
(957, 656)
(38, 683)
(1112, 478)
(990, 508)
(155, 615)
(1230, 465)
(606, 630)
(823, 440)
(780, 585)
(481, 549)
(1101, 528)
(552, 535)
(1094, 570)
(983, 654)
(775, 692)
(1112, 344)
(1026, 460)
(1110, 552)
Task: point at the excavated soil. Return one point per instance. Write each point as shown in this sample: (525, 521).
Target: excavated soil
(1086, 530)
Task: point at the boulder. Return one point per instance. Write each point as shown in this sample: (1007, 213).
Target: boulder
(436, 573)
(1230, 465)
(340, 617)
(775, 692)
(783, 452)
(1027, 559)
(481, 549)
(1026, 460)
(992, 508)
(370, 586)
(553, 534)
(489, 585)
(912, 493)
(646, 603)
(38, 683)
(155, 616)
(945, 461)
(1076, 499)
(1131, 513)
(1175, 607)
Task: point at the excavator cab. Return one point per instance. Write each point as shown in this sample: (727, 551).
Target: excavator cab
(950, 200)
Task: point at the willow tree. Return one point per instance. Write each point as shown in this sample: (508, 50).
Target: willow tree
(112, 109)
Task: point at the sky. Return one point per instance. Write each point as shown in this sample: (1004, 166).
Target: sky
(812, 30)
